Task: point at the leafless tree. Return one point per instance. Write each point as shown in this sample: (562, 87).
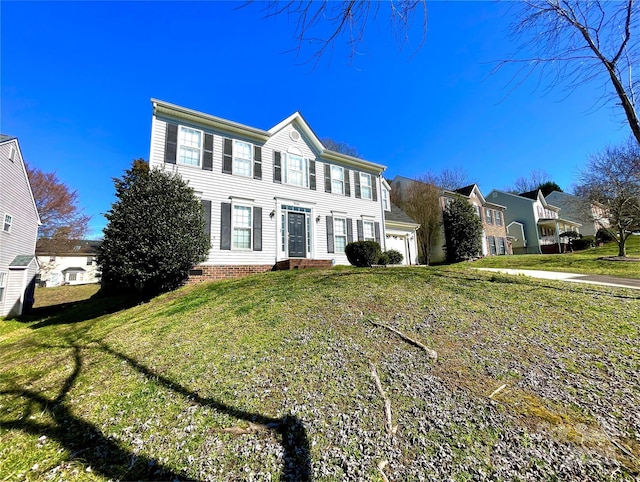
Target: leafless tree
(341, 147)
(420, 199)
(612, 179)
(325, 23)
(575, 42)
(536, 179)
(451, 178)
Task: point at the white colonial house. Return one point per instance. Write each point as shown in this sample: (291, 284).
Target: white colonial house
(273, 198)
(67, 262)
(18, 231)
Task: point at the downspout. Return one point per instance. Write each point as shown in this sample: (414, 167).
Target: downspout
(558, 238)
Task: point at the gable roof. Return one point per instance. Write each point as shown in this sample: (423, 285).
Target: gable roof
(22, 261)
(67, 247)
(5, 138)
(398, 215)
(176, 111)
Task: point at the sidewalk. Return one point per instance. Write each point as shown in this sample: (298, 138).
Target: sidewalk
(572, 277)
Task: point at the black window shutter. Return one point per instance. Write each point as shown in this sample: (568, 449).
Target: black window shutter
(257, 162)
(206, 212)
(327, 178)
(171, 144)
(227, 156)
(376, 227)
(356, 178)
(277, 167)
(312, 175)
(374, 188)
(207, 158)
(257, 228)
(347, 183)
(225, 226)
(349, 231)
(330, 247)
(360, 230)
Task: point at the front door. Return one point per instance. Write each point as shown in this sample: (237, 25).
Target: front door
(297, 237)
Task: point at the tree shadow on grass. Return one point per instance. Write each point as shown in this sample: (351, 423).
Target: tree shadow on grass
(86, 444)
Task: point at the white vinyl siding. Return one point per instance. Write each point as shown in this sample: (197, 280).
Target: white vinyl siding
(242, 224)
(242, 158)
(189, 146)
(3, 283)
(366, 191)
(337, 179)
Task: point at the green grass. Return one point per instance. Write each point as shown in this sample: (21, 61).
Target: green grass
(588, 261)
(95, 392)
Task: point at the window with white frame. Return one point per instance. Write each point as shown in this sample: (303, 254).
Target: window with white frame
(242, 224)
(385, 200)
(502, 246)
(498, 218)
(8, 221)
(296, 170)
(337, 179)
(368, 231)
(339, 234)
(478, 211)
(89, 260)
(3, 283)
(74, 276)
(189, 146)
(242, 158)
(492, 244)
(365, 186)
(488, 215)
(12, 154)
(52, 259)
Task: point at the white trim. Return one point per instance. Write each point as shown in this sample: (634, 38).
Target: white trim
(179, 146)
(373, 229)
(345, 235)
(4, 223)
(233, 158)
(370, 186)
(12, 154)
(233, 227)
(341, 181)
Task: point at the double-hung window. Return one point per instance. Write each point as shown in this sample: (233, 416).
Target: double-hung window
(488, 216)
(242, 223)
(89, 260)
(337, 179)
(498, 218)
(8, 221)
(339, 234)
(3, 283)
(492, 244)
(189, 146)
(365, 186)
(385, 200)
(368, 231)
(295, 173)
(501, 246)
(478, 211)
(242, 158)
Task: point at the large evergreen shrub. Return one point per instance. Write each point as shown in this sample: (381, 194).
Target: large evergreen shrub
(155, 234)
(394, 256)
(363, 253)
(462, 231)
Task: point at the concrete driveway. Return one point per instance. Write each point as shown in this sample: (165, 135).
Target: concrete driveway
(595, 279)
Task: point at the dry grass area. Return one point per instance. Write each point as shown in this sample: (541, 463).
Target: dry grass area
(270, 378)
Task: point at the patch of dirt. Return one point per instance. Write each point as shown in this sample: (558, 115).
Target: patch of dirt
(619, 258)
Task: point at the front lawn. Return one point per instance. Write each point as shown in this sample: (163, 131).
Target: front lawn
(588, 261)
(270, 377)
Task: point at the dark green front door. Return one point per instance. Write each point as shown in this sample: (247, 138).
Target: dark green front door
(297, 237)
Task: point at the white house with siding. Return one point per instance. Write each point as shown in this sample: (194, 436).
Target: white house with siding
(270, 197)
(67, 262)
(18, 232)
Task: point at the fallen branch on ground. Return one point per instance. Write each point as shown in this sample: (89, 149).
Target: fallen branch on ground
(498, 390)
(381, 465)
(388, 425)
(432, 353)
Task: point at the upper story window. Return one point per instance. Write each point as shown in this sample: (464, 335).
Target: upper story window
(242, 158)
(488, 215)
(242, 225)
(368, 231)
(337, 179)
(12, 154)
(366, 191)
(385, 200)
(52, 259)
(498, 218)
(8, 221)
(478, 211)
(89, 260)
(189, 146)
(340, 234)
(295, 170)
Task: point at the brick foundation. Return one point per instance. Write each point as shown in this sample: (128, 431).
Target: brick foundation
(302, 263)
(214, 273)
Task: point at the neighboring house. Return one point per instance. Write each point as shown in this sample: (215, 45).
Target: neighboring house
(18, 232)
(400, 228)
(533, 223)
(67, 262)
(591, 215)
(495, 240)
(271, 197)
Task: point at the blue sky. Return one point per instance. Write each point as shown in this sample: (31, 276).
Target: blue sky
(76, 79)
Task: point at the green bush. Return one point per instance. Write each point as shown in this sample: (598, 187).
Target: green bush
(584, 242)
(383, 259)
(362, 253)
(395, 256)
